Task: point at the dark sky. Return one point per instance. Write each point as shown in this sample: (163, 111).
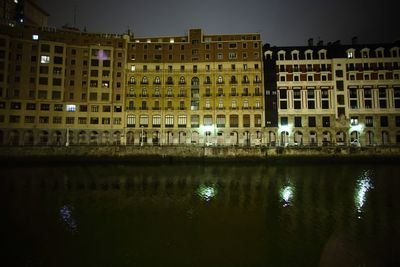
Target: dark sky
(280, 22)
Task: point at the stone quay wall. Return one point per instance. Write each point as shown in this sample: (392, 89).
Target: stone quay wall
(192, 153)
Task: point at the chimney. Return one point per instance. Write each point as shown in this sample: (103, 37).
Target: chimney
(320, 43)
(354, 40)
(311, 42)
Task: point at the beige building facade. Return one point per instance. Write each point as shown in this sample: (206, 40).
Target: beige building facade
(65, 87)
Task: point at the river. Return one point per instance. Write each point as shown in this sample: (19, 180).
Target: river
(200, 215)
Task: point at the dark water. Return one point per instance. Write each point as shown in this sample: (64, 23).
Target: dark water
(200, 215)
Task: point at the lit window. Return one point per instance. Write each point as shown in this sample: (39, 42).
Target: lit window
(71, 108)
(172, 40)
(35, 37)
(133, 68)
(353, 121)
(350, 54)
(45, 59)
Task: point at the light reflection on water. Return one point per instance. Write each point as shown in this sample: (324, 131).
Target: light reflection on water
(199, 215)
(286, 194)
(207, 192)
(363, 185)
(67, 218)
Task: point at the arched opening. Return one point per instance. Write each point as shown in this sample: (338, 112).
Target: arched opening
(94, 136)
(169, 138)
(313, 139)
(298, 138)
(143, 138)
(340, 138)
(271, 138)
(13, 138)
(370, 138)
(195, 138)
(326, 138)
(43, 138)
(234, 140)
(117, 138)
(385, 138)
(155, 139)
(82, 138)
(220, 138)
(284, 138)
(130, 138)
(195, 81)
(246, 135)
(182, 138)
(105, 138)
(28, 138)
(354, 136)
(258, 139)
(70, 137)
(56, 138)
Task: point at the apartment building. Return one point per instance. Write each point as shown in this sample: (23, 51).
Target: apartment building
(332, 94)
(61, 86)
(64, 86)
(195, 89)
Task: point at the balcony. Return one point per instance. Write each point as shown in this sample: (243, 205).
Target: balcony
(233, 94)
(207, 95)
(169, 95)
(156, 108)
(143, 95)
(156, 95)
(131, 95)
(233, 82)
(245, 94)
(181, 95)
(257, 94)
(245, 82)
(143, 108)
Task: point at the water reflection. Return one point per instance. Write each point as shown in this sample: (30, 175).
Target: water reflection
(286, 194)
(364, 184)
(66, 217)
(207, 192)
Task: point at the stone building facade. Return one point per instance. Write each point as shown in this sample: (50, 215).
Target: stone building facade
(63, 86)
(333, 94)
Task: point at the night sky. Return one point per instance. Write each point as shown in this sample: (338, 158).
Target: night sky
(280, 22)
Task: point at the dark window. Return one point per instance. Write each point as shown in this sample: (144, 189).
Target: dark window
(297, 122)
(283, 104)
(384, 121)
(326, 122)
(297, 104)
(382, 103)
(311, 104)
(397, 121)
(311, 122)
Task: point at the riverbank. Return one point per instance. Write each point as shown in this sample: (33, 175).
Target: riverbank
(195, 154)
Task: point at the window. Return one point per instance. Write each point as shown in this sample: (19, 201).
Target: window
(384, 121)
(69, 120)
(234, 121)
(297, 122)
(71, 108)
(353, 121)
(220, 121)
(326, 121)
(182, 121)
(284, 121)
(195, 121)
(131, 120)
(311, 122)
(169, 121)
(144, 120)
(369, 121)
